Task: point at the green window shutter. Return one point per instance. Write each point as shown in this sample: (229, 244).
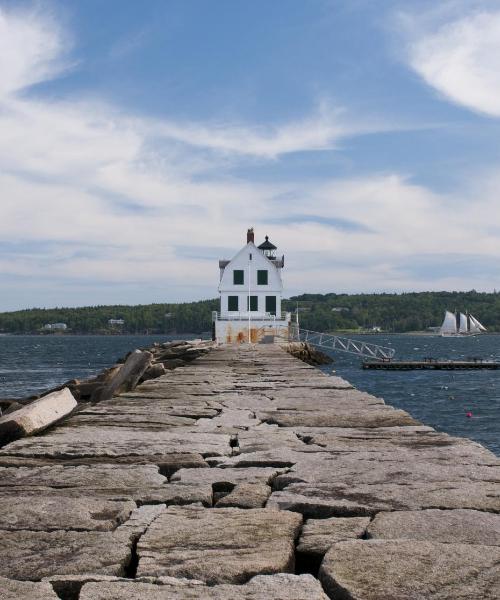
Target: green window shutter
(232, 303)
(271, 304)
(254, 303)
(238, 277)
(262, 277)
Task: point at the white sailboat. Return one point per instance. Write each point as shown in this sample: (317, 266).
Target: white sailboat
(460, 324)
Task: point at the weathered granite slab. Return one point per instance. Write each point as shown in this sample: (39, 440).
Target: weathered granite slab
(143, 420)
(26, 590)
(68, 587)
(226, 476)
(319, 534)
(227, 545)
(113, 442)
(140, 519)
(36, 416)
(168, 463)
(170, 494)
(99, 476)
(312, 399)
(127, 377)
(343, 500)
(240, 419)
(381, 416)
(246, 495)
(32, 555)
(404, 467)
(449, 526)
(43, 513)
(262, 587)
(411, 570)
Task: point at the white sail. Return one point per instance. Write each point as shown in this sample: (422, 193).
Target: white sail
(463, 324)
(475, 325)
(449, 325)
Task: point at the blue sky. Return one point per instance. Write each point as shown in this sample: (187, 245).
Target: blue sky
(139, 140)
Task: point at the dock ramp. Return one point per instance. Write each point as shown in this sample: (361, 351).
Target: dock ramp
(335, 342)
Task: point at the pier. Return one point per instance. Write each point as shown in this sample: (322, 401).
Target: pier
(247, 474)
(433, 364)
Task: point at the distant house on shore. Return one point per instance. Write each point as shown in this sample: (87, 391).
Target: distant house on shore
(116, 322)
(55, 326)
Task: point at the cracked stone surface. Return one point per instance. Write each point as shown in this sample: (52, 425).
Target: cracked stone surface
(318, 535)
(110, 442)
(35, 554)
(450, 526)
(233, 476)
(343, 500)
(227, 545)
(26, 590)
(118, 498)
(261, 587)
(53, 513)
(246, 495)
(411, 570)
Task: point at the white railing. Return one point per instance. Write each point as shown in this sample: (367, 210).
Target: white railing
(334, 342)
(254, 316)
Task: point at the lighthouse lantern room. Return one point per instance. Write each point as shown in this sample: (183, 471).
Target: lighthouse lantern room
(251, 290)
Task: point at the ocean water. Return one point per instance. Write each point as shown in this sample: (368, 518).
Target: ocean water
(31, 364)
(441, 399)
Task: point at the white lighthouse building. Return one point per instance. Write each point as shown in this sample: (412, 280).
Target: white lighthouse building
(250, 291)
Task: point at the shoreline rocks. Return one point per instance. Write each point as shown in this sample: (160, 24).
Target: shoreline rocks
(37, 416)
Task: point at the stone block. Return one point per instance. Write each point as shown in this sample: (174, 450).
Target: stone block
(319, 534)
(36, 416)
(447, 526)
(411, 570)
(11, 589)
(227, 545)
(32, 555)
(262, 587)
(246, 495)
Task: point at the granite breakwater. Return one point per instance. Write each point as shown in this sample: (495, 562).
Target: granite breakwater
(247, 473)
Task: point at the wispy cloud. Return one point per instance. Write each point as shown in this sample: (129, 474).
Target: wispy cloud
(115, 200)
(455, 48)
(31, 49)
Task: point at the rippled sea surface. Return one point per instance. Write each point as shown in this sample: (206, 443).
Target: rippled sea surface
(30, 364)
(442, 399)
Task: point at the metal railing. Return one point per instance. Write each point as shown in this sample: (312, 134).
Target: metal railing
(254, 316)
(335, 342)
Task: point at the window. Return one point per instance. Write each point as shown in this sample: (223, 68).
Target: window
(254, 303)
(262, 277)
(238, 277)
(232, 303)
(271, 304)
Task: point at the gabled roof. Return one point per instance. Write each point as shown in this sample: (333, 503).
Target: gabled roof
(267, 245)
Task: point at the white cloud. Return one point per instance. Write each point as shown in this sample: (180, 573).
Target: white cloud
(320, 131)
(30, 49)
(458, 54)
(109, 199)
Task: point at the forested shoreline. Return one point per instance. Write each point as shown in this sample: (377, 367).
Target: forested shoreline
(393, 313)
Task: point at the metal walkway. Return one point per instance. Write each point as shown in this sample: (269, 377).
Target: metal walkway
(334, 342)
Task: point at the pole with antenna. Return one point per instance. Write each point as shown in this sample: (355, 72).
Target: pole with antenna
(249, 303)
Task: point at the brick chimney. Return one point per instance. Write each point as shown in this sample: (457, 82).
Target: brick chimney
(250, 235)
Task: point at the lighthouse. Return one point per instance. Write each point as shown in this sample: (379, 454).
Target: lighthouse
(251, 290)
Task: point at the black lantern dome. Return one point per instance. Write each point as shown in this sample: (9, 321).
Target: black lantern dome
(268, 249)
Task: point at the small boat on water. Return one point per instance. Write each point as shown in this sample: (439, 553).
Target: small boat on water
(460, 324)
